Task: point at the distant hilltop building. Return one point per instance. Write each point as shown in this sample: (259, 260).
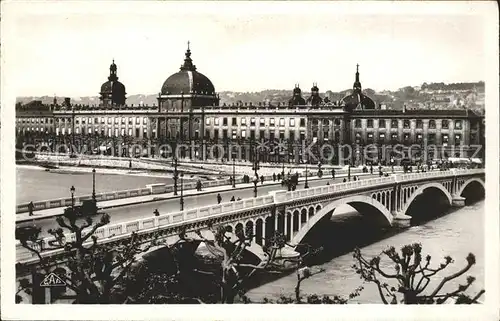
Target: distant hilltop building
(189, 110)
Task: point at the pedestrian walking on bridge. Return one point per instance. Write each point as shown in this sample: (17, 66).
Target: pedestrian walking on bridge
(219, 198)
(156, 213)
(31, 207)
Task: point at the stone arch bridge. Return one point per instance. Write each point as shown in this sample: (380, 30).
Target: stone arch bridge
(387, 200)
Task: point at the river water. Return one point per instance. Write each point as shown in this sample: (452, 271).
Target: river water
(456, 234)
(35, 184)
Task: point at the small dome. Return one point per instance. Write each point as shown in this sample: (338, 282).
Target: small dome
(113, 89)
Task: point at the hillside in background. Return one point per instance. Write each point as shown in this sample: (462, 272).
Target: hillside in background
(418, 96)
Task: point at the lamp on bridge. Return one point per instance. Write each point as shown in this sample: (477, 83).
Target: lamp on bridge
(182, 189)
(255, 181)
(93, 185)
(349, 172)
(234, 176)
(176, 174)
(72, 190)
(306, 185)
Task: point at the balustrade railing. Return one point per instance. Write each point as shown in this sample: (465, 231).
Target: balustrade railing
(125, 228)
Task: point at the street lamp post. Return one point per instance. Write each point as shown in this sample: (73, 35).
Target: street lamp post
(93, 185)
(234, 176)
(255, 180)
(73, 131)
(182, 194)
(72, 190)
(306, 185)
(349, 172)
(283, 169)
(256, 166)
(176, 175)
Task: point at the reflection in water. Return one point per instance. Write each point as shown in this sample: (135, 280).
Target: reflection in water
(456, 234)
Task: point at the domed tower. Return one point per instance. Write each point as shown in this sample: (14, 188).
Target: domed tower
(314, 99)
(357, 100)
(112, 91)
(187, 88)
(297, 97)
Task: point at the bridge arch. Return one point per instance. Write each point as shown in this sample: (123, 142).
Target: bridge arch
(361, 203)
(469, 181)
(420, 190)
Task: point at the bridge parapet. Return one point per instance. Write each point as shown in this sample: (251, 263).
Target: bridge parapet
(118, 231)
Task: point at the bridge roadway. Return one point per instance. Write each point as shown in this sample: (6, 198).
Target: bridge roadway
(138, 211)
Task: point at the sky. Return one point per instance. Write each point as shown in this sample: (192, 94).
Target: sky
(66, 48)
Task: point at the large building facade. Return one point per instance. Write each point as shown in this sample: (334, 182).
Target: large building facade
(189, 112)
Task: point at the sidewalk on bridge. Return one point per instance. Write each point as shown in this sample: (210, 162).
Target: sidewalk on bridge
(58, 211)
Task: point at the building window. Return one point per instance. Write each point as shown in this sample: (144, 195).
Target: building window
(282, 122)
(122, 120)
(83, 120)
(381, 137)
(271, 122)
(130, 120)
(109, 121)
(369, 123)
(302, 135)
(145, 133)
(234, 121)
(144, 120)
(116, 120)
(252, 121)
(445, 124)
(282, 135)
(130, 131)
(302, 122)
(224, 134)
(458, 124)
(406, 137)
(207, 121)
(420, 124)
(315, 122)
(432, 124)
(207, 134)
(406, 124)
(292, 136)
(445, 140)
(394, 123)
(458, 139)
(262, 121)
(394, 137)
(357, 123)
(102, 120)
(224, 121)
(216, 121)
(292, 122)
(77, 130)
(431, 138)
(216, 134)
(122, 132)
(243, 133)
(243, 121)
(381, 123)
(419, 138)
(262, 134)
(252, 134)
(233, 134)
(116, 132)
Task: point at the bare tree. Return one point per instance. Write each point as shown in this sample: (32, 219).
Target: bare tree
(95, 271)
(412, 276)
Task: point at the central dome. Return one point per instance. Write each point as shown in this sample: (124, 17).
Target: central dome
(188, 81)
